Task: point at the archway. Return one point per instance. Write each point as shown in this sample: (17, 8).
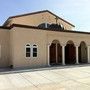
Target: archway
(70, 53)
(82, 52)
(55, 53)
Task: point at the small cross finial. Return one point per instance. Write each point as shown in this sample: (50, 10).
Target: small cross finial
(56, 18)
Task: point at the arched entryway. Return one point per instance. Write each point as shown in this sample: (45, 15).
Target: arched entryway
(82, 52)
(55, 53)
(70, 53)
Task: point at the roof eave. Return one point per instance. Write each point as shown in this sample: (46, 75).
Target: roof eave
(34, 27)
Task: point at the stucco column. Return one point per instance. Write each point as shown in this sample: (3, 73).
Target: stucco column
(88, 53)
(63, 54)
(77, 62)
(56, 54)
(48, 54)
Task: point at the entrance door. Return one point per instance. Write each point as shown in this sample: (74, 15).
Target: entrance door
(53, 53)
(59, 54)
(70, 54)
(82, 52)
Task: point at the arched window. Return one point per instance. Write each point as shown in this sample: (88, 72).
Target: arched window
(56, 27)
(62, 26)
(34, 48)
(28, 50)
(44, 25)
(31, 50)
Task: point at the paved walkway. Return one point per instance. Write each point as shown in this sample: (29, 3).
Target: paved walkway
(54, 78)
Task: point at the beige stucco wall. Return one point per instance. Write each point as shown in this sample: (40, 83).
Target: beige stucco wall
(13, 43)
(64, 37)
(4, 50)
(36, 19)
(22, 36)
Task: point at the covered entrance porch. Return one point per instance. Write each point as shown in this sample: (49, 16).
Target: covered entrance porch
(68, 53)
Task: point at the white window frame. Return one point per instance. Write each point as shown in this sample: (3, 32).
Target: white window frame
(31, 46)
(37, 50)
(30, 50)
(62, 26)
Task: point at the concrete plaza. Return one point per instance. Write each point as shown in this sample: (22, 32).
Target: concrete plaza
(53, 78)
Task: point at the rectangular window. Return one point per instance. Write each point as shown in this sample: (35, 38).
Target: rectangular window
(34, 52)
(28, 51)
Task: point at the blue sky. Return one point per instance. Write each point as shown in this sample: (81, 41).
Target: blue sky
(75, 11)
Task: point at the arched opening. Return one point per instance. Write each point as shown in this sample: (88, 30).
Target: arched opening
(56, 27)
(70, 53)
(55, 53)
(44, 25)
(82, 52)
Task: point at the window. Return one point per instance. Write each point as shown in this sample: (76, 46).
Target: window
(34, 50)
(43, 25)
(31, 50)
(62, 26)
(28, 50)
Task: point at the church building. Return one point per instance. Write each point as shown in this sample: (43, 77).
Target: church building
(41, 39)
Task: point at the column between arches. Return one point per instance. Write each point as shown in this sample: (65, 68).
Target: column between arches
(63, 53)
(49, 54)
(88, 52)
(77, 58)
